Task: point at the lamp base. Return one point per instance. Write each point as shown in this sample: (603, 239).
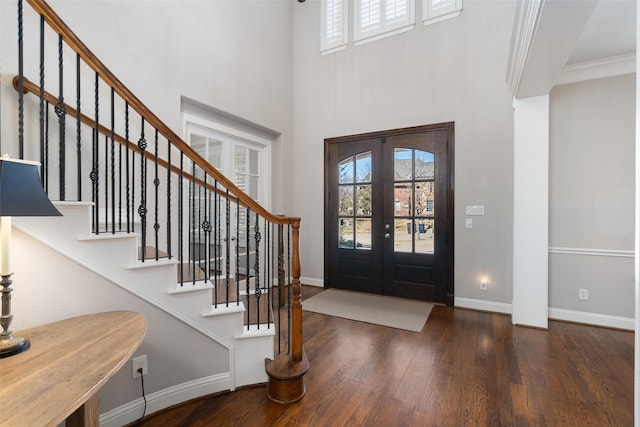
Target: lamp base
(12, 346)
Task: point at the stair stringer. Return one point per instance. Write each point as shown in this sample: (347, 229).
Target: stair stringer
(114, 257)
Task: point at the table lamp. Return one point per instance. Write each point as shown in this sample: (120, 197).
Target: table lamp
(21, 194)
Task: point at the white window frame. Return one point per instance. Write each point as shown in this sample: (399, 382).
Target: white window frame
(434, 11)
(384, 28)
(337, 42)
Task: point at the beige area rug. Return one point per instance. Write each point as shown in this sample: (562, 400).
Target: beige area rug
(386, 311)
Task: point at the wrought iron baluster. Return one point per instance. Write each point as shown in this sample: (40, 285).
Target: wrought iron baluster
(113, 163)
(95, 173)
(256, 269)
(237, 275)
(106, 184)
(46, 150)
(216, 243)
(267, 268)
(246, 277)
(180, 219)
(133, 191)
(156, 184)
(119, 187)
(169, 198)
(78, 130)
(61, 113)
(142, 209)
(206, 228)
(192, 224)
(227, 265)
(198, 225)
(208, 231)
(20, 83)
(126, 160)
(43, 170)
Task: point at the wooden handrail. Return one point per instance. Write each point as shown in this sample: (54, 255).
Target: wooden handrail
(56, 23)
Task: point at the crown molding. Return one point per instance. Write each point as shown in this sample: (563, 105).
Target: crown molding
(606, 67)
(525, 23)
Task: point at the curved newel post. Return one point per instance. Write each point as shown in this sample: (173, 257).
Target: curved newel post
(286, 371)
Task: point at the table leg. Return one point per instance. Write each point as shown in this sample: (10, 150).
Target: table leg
(86, 415)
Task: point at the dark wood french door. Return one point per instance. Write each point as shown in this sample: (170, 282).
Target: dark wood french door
(389, 213)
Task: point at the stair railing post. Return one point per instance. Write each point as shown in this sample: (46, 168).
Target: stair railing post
(296, 298)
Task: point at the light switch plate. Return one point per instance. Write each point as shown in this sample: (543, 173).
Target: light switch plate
(475, 210)
(469, 223)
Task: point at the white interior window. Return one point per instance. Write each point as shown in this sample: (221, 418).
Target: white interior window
(375, 19)
(438, 10)
(334, 25)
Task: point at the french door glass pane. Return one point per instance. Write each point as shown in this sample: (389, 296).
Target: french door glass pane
(363, 167)
(345, 171)
(414, 200)
(363, 233)
(345, 201)
(345, 233)
(354, 202)
(402, 199)
(424, 165)
(402, 164)
(424, 198)
(424, 236)
(402, 238)
(363, 200)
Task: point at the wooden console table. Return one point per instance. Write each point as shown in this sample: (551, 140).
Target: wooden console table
(59, 377)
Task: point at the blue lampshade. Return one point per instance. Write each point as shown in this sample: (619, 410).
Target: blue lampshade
(21, 192)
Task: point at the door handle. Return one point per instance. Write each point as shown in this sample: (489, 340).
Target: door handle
(387, 235)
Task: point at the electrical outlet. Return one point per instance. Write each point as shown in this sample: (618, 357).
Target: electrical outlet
(137, 363)
(483, 285)
(583, 294)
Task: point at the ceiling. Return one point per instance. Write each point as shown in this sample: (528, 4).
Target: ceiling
(610, 31)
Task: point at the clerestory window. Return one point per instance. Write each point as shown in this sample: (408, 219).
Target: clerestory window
(438, 10)
(375, 19)
(334, 25)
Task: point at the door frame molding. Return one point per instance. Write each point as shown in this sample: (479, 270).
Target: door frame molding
(448, 251)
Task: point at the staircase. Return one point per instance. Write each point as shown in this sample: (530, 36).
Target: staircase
(145, 211)
(116, 258)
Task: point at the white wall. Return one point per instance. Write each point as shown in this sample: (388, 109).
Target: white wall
(450, 71)
(49, 287)
(591, 207)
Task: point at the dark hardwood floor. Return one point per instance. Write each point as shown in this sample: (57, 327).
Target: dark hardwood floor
(465, 368)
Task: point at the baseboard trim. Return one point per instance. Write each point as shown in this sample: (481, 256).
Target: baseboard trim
(482, 305)
(596, 319)
(162, 399)
(312, 281)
